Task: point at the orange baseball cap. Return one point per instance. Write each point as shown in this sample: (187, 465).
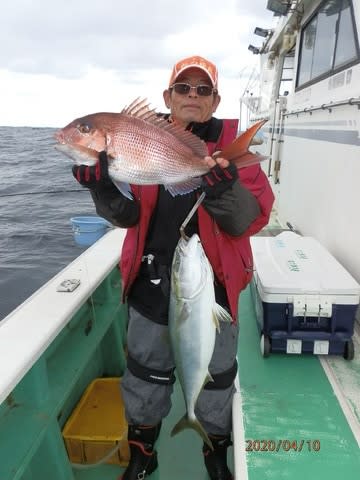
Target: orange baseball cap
(195, 62)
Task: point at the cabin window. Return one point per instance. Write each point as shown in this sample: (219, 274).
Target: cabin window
(345, 46)
(328, 42)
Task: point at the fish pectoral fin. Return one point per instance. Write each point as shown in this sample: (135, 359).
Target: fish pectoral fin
(220, 315)
(184, 313)
(186, 422)
(124, 188)
(216, 321)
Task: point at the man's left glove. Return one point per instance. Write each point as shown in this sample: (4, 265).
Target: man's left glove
(95, 176)
(218, 180)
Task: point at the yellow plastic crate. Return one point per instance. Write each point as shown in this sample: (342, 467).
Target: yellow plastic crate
(97, 425)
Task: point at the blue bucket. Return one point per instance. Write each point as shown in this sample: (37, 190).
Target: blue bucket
(87, 230)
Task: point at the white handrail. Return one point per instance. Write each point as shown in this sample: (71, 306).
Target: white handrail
(27, 331)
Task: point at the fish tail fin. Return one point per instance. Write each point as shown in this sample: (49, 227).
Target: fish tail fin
(238, 151)
(186, 422)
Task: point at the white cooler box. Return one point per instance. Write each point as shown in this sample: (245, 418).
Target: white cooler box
(305, 300)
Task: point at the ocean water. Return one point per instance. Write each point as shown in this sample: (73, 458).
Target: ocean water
(36, 238)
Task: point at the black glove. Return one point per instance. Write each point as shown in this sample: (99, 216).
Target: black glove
(218, 180)
(95, 176)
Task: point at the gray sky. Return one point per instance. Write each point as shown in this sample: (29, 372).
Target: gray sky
(64, 59)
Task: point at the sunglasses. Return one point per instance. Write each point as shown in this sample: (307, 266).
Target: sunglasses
(201, 90)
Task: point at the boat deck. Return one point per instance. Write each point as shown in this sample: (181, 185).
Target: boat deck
(295, 417)
(294, 425)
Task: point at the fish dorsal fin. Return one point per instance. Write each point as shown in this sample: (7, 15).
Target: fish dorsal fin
(141, 109)
(238, 151)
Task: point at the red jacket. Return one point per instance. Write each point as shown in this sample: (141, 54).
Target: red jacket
(230, 257)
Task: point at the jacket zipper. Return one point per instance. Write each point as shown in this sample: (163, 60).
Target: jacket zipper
(130, 280)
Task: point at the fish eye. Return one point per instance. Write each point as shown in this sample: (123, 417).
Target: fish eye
(84, 128)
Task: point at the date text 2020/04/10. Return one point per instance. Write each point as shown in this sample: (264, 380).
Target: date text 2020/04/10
(285, 445)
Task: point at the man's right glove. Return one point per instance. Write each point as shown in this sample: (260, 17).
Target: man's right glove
(95, 176)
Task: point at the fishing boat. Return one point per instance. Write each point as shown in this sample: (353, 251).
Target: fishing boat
(294, 416)
(308, 89)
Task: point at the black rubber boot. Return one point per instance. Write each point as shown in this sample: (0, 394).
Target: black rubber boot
(215, 460)
(143, 457)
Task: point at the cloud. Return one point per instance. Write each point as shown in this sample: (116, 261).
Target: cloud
(88, 54)
(65, 38)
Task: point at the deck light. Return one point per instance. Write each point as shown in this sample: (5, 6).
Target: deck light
(279, 7)
(262, 32)
(253, 49)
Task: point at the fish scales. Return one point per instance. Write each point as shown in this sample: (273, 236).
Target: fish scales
(193, 319)
(143, 148)
(158, 159)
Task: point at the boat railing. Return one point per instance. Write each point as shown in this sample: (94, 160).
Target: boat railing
(29, 330)
(325, 106)
(52, 346)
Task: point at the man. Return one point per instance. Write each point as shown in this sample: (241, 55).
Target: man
(237, 205)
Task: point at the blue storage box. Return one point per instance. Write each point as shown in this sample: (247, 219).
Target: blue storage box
(304, 298)
(88, 229)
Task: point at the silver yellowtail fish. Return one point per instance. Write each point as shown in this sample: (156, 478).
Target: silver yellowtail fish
(145, 149)
(193, 319)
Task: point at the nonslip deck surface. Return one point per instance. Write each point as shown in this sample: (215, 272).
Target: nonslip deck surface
(294, 425)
